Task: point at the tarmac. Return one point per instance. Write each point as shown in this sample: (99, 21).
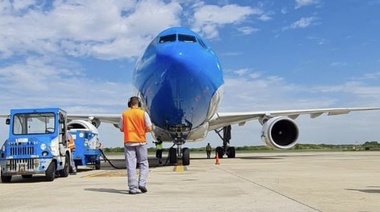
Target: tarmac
(275, 181)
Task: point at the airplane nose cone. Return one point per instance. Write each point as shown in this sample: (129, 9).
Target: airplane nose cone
(177, 81)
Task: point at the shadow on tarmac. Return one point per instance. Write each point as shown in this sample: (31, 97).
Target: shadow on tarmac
(260, 158)
(372, 191)
(108, 190)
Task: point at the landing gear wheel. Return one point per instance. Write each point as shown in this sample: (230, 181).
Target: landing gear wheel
(231, 152)
(5, 179)
(50, 172)
(66, 168)
(97, 164)
(25, 176)
(219, 151)
(185, 156)
(172, 155)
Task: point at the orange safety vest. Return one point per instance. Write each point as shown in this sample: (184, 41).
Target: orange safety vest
(134, 126)
(70, 142)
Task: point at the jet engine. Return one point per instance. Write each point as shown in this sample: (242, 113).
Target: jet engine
(280, 132)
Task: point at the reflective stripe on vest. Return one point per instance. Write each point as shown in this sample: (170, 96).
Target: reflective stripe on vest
(159, 146)
(134, 126)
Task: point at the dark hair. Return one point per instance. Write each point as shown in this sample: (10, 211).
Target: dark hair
(134, 100)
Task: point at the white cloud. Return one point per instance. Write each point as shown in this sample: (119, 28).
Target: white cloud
(241, 72)
(254, 75)
(86, 28)
(338, 63)
(43, 81)
(247, 30)
(303, 3)
(303, 23)
(284, 10)
(118, 29)
(208, 18)
(258, 91)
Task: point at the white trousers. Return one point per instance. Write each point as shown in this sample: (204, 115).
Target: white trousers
(136, 155)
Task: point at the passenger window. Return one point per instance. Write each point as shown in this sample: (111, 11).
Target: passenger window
(168, 38)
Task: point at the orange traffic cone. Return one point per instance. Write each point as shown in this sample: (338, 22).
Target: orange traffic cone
(217, 159)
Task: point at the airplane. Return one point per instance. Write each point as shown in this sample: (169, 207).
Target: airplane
(179, 81)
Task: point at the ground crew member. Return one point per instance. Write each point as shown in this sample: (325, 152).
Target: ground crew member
(208, 150)
(71, 146)
(135, 123)
(159, 147)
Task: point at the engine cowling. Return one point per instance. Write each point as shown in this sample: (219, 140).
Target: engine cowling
(280, 132)
(88, 131)
(82, 124)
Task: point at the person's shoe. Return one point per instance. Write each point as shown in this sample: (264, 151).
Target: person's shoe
(133, 192)
(143, 189)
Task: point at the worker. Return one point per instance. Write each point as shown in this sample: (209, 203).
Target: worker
(134, 124)
(159, 149)
(208, 150)
(71, 146)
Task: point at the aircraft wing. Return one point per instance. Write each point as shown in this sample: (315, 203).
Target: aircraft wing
(106, 118)
(224, 119)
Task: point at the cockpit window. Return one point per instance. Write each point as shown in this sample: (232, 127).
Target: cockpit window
(167, 38)
(186, 38)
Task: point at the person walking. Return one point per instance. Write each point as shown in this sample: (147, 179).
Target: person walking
(159, 147)
(208, 150)
(134, 124)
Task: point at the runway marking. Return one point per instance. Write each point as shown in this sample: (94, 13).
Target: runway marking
(179, 168)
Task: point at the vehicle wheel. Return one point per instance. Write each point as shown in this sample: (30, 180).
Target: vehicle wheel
(231, 152)
(5, 179)
(172, 155)
(66, 168)
(185, 156)
(50, 172)
(97, 164)
(25, 176)
(219, 151)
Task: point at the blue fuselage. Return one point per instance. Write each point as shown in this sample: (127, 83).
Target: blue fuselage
(177, 77)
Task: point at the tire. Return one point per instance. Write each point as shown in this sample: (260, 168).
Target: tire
(66, 168)
(185, 156)
(219, 151)
(97, 164)
(172, 155)
(5, 179)
(50, 172)
(25, 176)
(231, 152)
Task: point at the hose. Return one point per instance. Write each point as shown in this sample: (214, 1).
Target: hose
(107, 160)
(115, 167)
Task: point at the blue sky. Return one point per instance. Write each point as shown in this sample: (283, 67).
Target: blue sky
(289, 54)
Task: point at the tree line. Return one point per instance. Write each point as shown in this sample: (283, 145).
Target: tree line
(367, 146)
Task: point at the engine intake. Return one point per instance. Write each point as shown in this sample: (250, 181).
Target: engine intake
(280, 132)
